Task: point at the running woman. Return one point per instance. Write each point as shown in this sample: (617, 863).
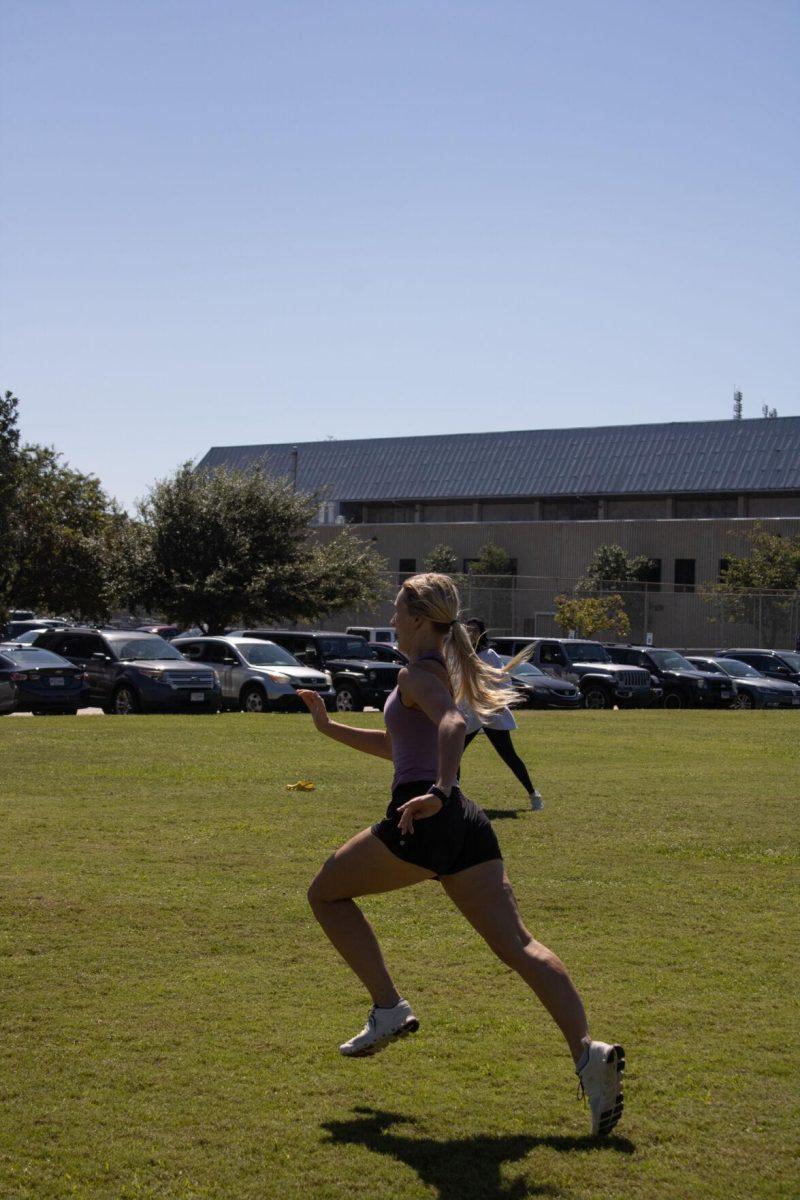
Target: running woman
(498, 725)
(432, 831)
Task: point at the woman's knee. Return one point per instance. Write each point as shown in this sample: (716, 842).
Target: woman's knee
(321, 889)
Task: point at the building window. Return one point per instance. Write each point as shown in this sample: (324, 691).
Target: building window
(684, 574)
(651, 575)
(706, 506)
(405, 568)
(569, 510)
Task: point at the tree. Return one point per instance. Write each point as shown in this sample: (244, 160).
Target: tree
(217, 548)
(759, 588)
(9, 481)
(492, 561)
(443, 559)
(611, 565)
(592, 615)
(64, 537)
(488, 587)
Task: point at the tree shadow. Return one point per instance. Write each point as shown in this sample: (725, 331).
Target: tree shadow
(460, 1168)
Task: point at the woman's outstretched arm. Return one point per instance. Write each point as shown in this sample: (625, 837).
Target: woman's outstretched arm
(368, 741)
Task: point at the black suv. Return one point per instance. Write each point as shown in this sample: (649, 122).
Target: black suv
(684, 686)
(357, 676)
(131, 672)
(602, 683)
(775, 664)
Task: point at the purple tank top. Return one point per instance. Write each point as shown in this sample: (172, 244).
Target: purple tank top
(415, 739)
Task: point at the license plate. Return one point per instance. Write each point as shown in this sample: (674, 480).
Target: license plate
(56, 682)
(197, 696)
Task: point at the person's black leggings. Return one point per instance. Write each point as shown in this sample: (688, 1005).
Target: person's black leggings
(501, 740)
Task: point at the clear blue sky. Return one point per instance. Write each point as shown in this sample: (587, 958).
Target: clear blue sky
(252, 221)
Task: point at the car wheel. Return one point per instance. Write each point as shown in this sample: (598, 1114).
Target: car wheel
(253, 699)
(746, 700)
(124, 702)
(673, 700)
(348, 699)
(596, 697)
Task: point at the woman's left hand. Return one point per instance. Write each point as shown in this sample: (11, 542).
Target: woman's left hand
(420, 806)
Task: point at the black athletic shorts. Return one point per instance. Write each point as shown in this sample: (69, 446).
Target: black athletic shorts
(460, 835)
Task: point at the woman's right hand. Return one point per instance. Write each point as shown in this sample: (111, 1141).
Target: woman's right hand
(316, 706)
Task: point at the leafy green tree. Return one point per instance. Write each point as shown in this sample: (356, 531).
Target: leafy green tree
(611, 565)
(9, 482)
(443, 559)
(487, 589)
(220, 548)
(64, 537)
(492, 561)
(759, 588)
(592, 615)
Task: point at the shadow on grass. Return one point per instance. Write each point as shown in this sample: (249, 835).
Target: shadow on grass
(503, 814)
(460, 1167)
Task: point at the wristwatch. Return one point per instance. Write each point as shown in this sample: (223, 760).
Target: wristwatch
(440, 795)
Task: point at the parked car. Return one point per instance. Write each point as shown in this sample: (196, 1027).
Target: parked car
(43, 682)
(167, 632)
(133, 672)
(382, 652)
(755, 690)
(587, 664)
(14, 629)
(775, 664)
(256, 676)
(543, 691)
(358, 679)
(373, 633)
(684, 686)
(8, 692)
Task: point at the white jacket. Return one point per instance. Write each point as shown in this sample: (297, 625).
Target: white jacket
(503, 719)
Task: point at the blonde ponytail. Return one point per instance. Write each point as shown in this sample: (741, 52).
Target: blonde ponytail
(484, 688)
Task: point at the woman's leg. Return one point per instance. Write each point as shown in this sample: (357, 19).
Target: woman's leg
(361, 867)
(501, 740)
(484, 895)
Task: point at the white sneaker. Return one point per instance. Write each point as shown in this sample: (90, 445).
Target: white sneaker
(537, 803)
(383, 1025)
(600, 1073)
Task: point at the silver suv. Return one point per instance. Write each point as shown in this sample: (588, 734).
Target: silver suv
(255, 675)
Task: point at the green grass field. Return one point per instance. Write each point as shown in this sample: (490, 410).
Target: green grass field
(170, 1011)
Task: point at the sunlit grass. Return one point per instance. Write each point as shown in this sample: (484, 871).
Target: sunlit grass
(170, 1011)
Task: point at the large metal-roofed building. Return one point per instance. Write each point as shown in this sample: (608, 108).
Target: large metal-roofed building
(684, 494)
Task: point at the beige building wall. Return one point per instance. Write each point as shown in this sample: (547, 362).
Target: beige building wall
(552, 555)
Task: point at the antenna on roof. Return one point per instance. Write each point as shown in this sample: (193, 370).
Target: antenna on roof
(768, 412)
(737, 405)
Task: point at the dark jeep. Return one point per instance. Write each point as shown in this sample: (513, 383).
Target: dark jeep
(358, 678)
(684, 686)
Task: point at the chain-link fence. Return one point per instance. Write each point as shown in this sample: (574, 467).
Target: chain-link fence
(685, 616)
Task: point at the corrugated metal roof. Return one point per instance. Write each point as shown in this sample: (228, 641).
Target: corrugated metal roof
(759, 455)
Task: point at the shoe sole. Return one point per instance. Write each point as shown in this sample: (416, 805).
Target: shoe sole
(610, 1117)
(410, 1026)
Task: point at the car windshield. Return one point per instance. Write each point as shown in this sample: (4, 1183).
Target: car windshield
(523, 668)
(35, 658)
(670, 660)
(736, 669)
(586, 652)
(30, 637)
(145, 649)
(343, 647)
(791, 660)
(266, 654)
